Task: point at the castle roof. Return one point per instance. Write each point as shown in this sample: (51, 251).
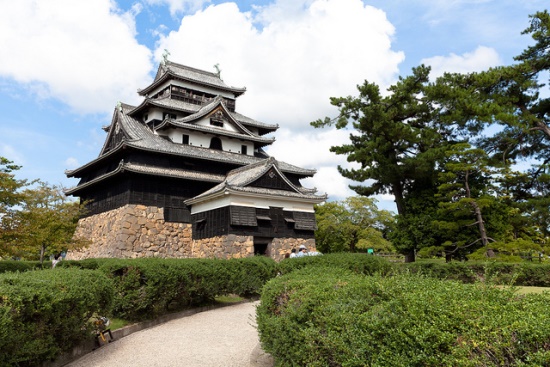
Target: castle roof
(149, 170)
(241, 181)
(139, 136)
(188, 123)
(190, 108)
(172, 70)
(139, 142)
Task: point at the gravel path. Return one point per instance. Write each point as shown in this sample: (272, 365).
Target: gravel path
(225, 337)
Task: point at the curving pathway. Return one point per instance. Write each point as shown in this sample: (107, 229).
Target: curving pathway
(224, 336)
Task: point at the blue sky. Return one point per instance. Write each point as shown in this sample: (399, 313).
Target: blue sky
(65, 64)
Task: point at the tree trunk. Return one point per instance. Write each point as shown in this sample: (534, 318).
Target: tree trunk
(399, 201)
(42, 252)
(480, 224)
(477, 212)
(410, 256)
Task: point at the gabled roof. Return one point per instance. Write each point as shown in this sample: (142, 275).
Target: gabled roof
(173, 70)
(217, 104)
(190, 108)
(139, 136)
(238, 181)
(148, 170)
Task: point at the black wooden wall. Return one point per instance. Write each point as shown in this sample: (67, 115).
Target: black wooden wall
(245, 221)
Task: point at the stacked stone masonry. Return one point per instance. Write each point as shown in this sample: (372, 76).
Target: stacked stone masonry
(136, 231)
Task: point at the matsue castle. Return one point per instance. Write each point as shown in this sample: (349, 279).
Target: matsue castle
(184, 175)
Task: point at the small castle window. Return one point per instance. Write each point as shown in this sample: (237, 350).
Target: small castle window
(216, 143)
(216, 123)
(169, 115)
(217, 119)
(243, 149)
(185, 139)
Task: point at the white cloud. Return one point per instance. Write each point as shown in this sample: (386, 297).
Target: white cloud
(328, 180)
(83, 53)
(71, 163)
(9, 152)
(178, 6)
(307, 149)
(292, 56)
(480, 59)
(305, 52)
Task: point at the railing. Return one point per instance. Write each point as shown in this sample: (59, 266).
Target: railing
(198, 99)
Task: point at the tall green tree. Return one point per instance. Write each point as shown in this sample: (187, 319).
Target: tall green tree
(10, 196)
(352, 224)
(397, 141)
(467, 188)
(516, 98)
(42, 224)
(10, 187)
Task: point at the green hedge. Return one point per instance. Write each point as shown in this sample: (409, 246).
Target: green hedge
(14, 266)
(43, 313)
(333, 317)
(358, 263)
(148, 288)
(520, 274)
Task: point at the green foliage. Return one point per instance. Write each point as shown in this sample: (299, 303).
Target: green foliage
(151, 287)
(43, 224)
(10, 196)
(44, 313)
(423, 138)
(352, 224)
(358, 263)
(15, 265)
(322, 317)
(495, 272)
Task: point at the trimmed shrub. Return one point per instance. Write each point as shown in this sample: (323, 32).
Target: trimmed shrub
(148, 288)
(357, 263)
(247, 276)
(327, 317)
(43, 313)
(521, 274)
(13, 265)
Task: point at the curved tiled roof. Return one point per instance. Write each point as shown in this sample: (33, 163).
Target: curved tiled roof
(186, 122)
(139, 136)
(174, 70)
(238, 180)
(148, 170)
(186, 107)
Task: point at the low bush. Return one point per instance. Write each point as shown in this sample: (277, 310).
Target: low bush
(43, 313)
(521, 274)
(16, 265)
(333, 317)
(358, 263)
(148, 288)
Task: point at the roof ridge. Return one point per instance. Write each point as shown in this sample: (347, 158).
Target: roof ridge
(169, 63)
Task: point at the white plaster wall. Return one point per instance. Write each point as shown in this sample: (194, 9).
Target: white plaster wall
(203, 140)
(226, 125)
(265, 203)
(154, 114)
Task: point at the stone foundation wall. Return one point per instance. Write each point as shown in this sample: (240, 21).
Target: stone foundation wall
(280, 246)
(130, 232)
(135, 231)
(224, 247)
